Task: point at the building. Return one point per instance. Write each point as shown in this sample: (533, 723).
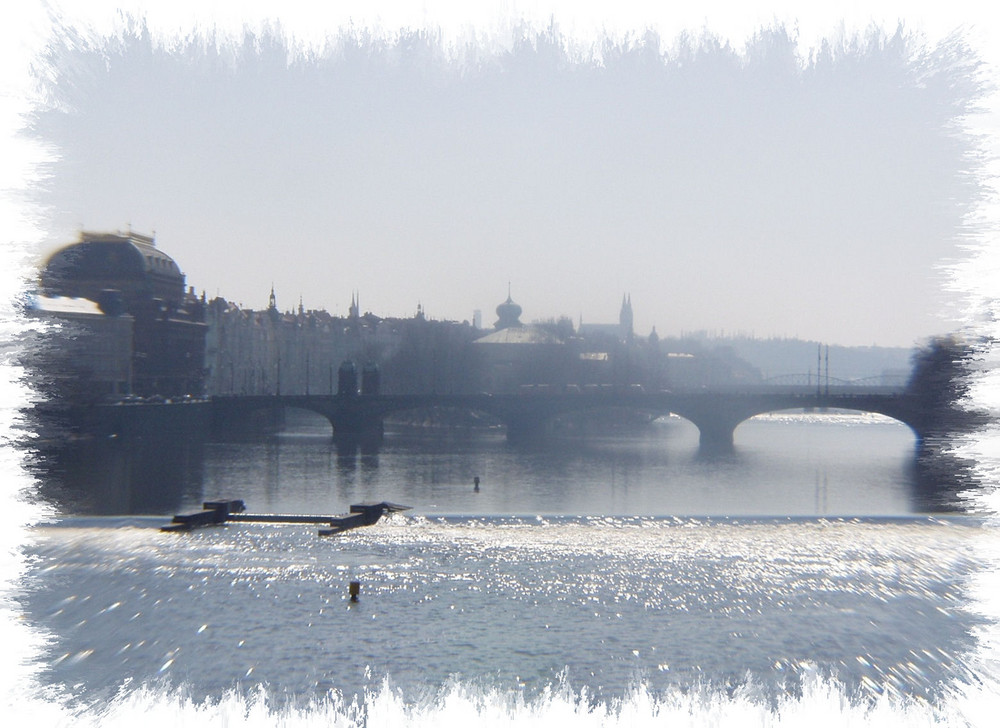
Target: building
(85, 353)
(518, 355)
(621, 332)
(126, 273)
(300, 351)
(271, 351)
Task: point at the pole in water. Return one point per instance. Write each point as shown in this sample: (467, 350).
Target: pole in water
(475, 484)
(354, 590)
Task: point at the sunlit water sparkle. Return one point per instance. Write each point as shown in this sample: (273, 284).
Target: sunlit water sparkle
(601, 604)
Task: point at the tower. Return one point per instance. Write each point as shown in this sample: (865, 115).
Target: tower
(272, 307)
(508, 313)
(625, 318)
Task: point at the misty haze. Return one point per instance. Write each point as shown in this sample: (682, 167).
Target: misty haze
(780, 191)
(414, 378)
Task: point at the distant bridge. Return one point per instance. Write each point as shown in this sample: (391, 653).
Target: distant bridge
(715, 412)
(810, 379)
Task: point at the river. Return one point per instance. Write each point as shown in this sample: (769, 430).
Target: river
(597, 565)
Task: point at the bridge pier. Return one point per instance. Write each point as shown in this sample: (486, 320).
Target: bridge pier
(715, 437)
(715, 416)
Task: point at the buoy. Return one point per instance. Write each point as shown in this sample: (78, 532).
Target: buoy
(354, 590)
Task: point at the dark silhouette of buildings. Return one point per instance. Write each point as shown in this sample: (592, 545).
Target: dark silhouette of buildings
(254, 352)
(84, 355)
(127, 275)
(150, 336)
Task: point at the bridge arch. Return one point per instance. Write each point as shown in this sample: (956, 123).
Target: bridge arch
(717, 415)
(824, 411)
(306, 419)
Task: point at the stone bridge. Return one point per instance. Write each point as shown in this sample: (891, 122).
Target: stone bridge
(716, 413)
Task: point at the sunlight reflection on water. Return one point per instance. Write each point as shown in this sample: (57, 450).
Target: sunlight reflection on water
(673, 603)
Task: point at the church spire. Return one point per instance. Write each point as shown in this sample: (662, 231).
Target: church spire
(625, 321)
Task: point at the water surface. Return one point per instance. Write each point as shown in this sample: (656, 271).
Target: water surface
(603, 562)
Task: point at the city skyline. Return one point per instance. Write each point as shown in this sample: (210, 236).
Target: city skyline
(734, 189)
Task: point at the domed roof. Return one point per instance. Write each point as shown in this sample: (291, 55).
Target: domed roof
(131, 263)
(508, 314)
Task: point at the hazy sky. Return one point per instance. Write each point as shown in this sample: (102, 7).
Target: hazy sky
(809, 180)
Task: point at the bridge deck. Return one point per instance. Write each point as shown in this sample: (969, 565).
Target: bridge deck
(716, 412)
